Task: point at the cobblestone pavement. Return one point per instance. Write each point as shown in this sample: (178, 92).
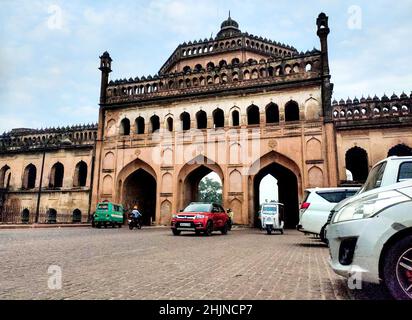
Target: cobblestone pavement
(153, 264)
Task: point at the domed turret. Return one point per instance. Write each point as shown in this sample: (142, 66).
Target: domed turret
(228, 28)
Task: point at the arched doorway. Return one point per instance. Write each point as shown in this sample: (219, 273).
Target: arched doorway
(190, 177)
(76, 216)
(287, 175)
(400, 150)
(356, 161)
(139, 189)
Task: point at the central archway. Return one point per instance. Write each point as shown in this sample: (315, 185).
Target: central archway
(190, 176)
(288, 177)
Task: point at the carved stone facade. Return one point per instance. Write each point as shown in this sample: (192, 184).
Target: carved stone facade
(238, 105)
(60, 160)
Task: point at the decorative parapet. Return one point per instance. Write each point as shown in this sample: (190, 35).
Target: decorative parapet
(375, 110)
(24, 139)
(243, 41)
(302, 67)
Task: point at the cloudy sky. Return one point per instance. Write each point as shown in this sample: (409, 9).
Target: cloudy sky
(49, 50)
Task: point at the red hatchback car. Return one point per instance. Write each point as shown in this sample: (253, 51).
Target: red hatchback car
(201, 218)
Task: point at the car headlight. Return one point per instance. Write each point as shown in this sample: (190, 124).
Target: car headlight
(369, 206)
(199, 216)
(174, 216)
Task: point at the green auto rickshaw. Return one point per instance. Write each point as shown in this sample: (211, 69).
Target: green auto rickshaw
(108, 214)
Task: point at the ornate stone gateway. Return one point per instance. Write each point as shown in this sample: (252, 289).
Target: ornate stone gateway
(237, 105)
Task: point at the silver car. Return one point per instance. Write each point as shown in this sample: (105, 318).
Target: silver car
(371, 236)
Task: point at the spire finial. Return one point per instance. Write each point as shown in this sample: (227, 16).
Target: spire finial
(229, 14)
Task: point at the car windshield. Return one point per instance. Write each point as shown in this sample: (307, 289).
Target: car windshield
(271, 210)
(103, 206)
(198, 207)
(374, 178)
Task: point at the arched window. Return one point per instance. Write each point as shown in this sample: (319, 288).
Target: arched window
(201, 119)
(356, 160)
(198, 67)
(246, 75)
(400, 150)
(253, 116)
(29, 177)
(291, 111)
(76, 216)
(56, 176)
(185, 120)
(218, 118)
(140, 125)
(125, 127)
(272, 113)
(222, 63)
(210, 65)
(80, 175)
(169, 123)
(186, 69)
(235, 118)
(5, 175)
(235, 76)
(235, 61)
(155, 123)
(255, 74)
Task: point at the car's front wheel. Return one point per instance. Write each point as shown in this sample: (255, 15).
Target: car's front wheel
(397, 273)
(176, 232)
(225, 229)
(322, 235)
(209, 229)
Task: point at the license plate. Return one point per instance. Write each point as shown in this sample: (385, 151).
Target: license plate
(183, 224)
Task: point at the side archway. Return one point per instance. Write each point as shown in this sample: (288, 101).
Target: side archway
(138, 187)
(288, 175)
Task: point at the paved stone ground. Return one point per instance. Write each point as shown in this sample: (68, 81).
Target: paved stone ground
(153, 264)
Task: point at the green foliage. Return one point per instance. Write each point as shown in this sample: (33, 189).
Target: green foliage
(210, 191)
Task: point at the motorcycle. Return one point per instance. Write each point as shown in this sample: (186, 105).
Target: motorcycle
(134, 222)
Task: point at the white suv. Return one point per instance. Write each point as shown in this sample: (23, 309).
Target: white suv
(316, 207)
(370, 234)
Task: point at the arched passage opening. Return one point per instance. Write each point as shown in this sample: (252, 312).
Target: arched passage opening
(356, 160)
(400, 150)
(268, 189)
(139, 189)
(210, 188)
(286, 173)
(193, 180)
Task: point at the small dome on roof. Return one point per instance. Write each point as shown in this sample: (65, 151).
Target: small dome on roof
(229, 23)
(228, 28)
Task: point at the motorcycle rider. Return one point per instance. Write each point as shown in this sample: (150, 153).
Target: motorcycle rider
(136, 215)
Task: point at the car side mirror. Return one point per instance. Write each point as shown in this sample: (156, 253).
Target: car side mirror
(181, 210)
